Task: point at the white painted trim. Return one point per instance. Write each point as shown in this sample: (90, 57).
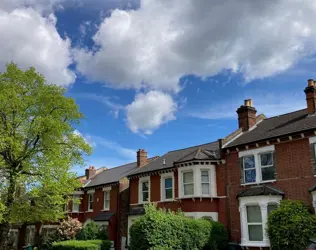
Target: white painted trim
(197, 192)
(107, 188)
(256, 151)
(78, 193)
(91, 191)
(314, 200)
(48, 226)
(140, 193)
(312, 140)
(162, 186)
(198, 215)
(262, 201)
(230, 141)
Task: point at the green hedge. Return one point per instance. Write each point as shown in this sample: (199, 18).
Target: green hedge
(290, 226)
(165, 230)
(82, 245)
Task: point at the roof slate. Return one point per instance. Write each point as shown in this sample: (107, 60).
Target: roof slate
(176, 155)
(282, 125)
(260, 190)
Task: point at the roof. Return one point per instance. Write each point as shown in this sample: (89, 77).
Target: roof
(83, 179)
(113, 175)
(174, 156)
(104, 216)
(136, 211)
(277, 126)
(199, 154)
(260, 190)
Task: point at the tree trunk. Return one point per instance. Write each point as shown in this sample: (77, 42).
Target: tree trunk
(4, 235)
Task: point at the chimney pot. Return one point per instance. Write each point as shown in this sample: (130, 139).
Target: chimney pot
(310, 82)
(248, 102)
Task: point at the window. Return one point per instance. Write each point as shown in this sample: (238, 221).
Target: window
(167, 186)
(30, 235)
(188, 184)
(106, 200)
(76, 203)
(90, 202)
(267, 166)
(144, 190)
(254, 221)
(205, 182)
(249, 169)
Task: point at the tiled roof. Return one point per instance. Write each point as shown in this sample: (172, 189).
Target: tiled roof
(277, 126)
(199, 154)
(167, 161)
(260, 190)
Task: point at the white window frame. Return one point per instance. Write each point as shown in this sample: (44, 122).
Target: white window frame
(107, 190)
(163, 177)
(262, 201)
(314, 200)
(312, 140)
(74, 208)
(189, 183)
(90, 194)
(197, 180)
(209, 181)
(257, 154)
(130, 220)
(199, 215)
(140, 189)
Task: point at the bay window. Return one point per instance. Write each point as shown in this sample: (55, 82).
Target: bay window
(205, 182)
(188, 183)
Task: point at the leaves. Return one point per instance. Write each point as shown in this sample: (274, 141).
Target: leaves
(38, 146)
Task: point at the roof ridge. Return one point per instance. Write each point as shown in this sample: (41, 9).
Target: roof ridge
(192, 146)
(277, 116)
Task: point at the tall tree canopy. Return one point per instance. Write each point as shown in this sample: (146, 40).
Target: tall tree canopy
(38, 147)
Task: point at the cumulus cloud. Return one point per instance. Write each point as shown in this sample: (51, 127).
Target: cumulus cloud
(149, 111)
(39, 5)
(161, 41)
(29, 39)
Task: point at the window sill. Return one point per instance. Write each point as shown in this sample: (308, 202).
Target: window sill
(89, 211)
(255, 244)
(257, 183)
(106, 210)
(196, 197)
(75, 212)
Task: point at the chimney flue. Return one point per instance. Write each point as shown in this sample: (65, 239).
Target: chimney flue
(141, 158)
(247, 115)
(310, 92)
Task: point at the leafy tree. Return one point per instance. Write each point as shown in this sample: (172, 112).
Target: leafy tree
(38, 147)
(290, 226)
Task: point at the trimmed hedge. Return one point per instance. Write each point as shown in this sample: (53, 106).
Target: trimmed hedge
(82, 245)
(219, 237)
(290, 226)
(165, 230)
(93, 231)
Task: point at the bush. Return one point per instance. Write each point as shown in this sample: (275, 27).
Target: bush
(92, 231)
(163, 230)
(46, 241)
(290, 226)
(219, 237)
(82, 245)
(69, 228)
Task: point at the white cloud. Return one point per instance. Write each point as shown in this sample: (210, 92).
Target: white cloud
(29, 39)
(267, 104)
(40, 5)
(163, 40)
(87, 138)
(149, 111)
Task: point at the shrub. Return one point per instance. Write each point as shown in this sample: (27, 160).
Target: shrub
(92, 231)
(163, 230)
(69, 228)
(290, 226)
(82, 245)
(219, 237)
(46, 241)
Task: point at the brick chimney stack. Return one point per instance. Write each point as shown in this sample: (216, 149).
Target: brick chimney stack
(310, 92)
(247, 115)
(90, 172)
(141, 158)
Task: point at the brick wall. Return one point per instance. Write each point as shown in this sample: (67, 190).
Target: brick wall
(293, 176)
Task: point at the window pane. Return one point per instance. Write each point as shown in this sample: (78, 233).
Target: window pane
(205, 176)
(145, 186)
(188, 189)
(145, 196)
(205, 188)
(255, 232)
(168, 193)
(188, 177)
(75, 207)
(266, 159)
(168, 183)
(268, 173)
(253, 214)
(272, 207)
(106, 204)
(249, 162)
(250, 176)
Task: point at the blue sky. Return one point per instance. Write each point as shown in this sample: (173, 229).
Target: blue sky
(163, 75)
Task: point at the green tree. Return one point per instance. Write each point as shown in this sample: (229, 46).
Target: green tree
(38, 147)
(290, 226)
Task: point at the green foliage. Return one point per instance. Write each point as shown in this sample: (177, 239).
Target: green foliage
(46, 241)
(290, 226)
(82, 245)
(219, 237)
(162, 230)
(38, 147)
(92, 231)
